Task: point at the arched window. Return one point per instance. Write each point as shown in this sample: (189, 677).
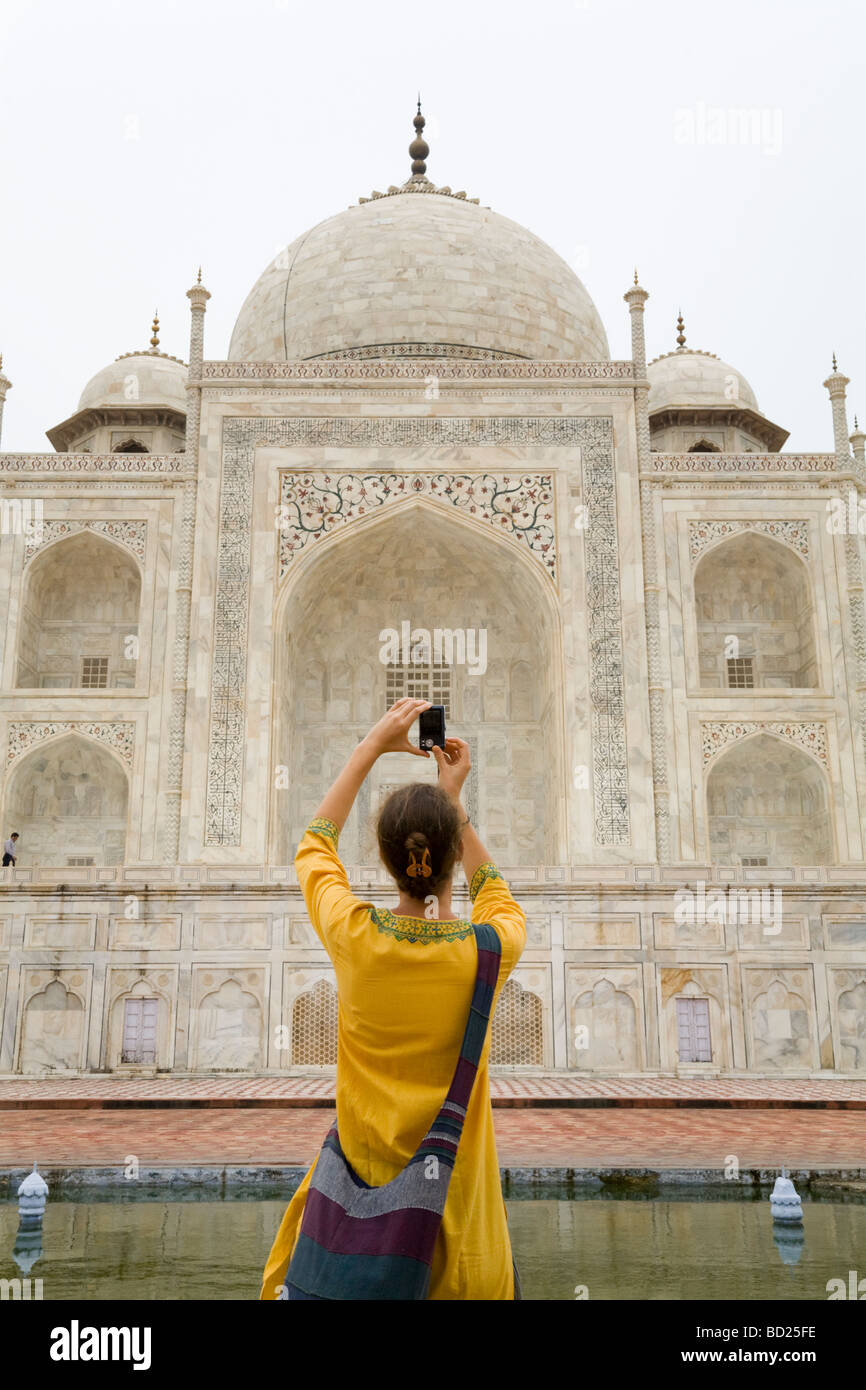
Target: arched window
(131, 446)
(703, 446)
(80, 607)
(755, 619)
(767, 800)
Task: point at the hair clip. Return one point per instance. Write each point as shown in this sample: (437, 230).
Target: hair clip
(414, 868)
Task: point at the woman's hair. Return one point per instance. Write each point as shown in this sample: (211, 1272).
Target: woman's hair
(419, 827)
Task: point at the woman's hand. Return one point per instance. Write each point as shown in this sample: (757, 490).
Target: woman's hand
(391, 734)
(454, 764)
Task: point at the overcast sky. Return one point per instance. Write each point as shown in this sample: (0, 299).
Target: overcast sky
(140, 140)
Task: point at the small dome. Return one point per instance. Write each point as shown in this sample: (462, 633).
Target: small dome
(417, 273)
(692, 379)
(137, 379)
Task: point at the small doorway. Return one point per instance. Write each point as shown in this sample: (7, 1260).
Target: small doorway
(139, 1031)
(693, 1030)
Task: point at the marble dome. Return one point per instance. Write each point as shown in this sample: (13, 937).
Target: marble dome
(418, 273)
(136, 379)
(691, 379)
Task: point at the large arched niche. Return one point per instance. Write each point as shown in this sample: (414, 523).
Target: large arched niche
(81, 602)
(757, 590)
(68, 801)
(421, 565)
(768, 801)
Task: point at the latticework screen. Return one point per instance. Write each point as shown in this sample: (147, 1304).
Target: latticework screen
(517, 1030)
(314, 1027)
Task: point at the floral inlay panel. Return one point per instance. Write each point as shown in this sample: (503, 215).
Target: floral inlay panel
(312, 505)
(132, 534)
(118, 735)
(810, 736)
(705, 533)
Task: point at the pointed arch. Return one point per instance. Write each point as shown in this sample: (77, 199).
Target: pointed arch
(755, 614)
(431, 565)
(68, 798)
(767, 798)
(81, 600)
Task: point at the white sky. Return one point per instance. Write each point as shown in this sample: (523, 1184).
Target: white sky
(141, 139)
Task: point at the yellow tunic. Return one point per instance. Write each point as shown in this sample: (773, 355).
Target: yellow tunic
(404, 987)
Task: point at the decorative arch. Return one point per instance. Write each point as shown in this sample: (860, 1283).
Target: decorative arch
(703, 446)
(469, 577)
(754, 606)
(130, 446)
(144, 986)
(768, 798)
(519, 506)
(705, 535)
(68, 798)
(52, 1029)
(781, 1025)
(130, 535)
(851, 1019)
(229, 1033)
(608, 1015)
(81, 601)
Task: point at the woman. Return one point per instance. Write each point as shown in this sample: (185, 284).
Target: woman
(405, 980)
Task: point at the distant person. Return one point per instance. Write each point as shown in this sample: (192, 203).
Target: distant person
(10, 850)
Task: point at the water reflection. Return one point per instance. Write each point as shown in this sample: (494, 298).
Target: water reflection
(136, 1244)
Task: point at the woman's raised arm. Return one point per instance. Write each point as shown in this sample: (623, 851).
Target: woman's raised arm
(390, 735)
(454, 764)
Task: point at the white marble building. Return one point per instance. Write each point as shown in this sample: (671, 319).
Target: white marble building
(418, 422)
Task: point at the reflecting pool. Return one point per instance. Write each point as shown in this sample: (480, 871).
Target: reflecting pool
(709, 1244)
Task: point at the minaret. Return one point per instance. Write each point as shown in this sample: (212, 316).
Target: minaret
(5, 384)
(858, 443)
(836, 384)
(636, 297)
(198, 297)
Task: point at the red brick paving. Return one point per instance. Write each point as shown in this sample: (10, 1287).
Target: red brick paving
(561, 1138)
(505, 1089)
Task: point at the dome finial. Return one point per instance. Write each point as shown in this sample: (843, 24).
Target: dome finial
(198, 278)
(681, 334)
(154, 342)
(419, 149)
(635, 274)
(835, 368)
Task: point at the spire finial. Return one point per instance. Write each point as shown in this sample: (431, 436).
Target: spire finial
(856, 426)
(198, 280)
(419, 149)
(835, 368)
(635, 274)
(154, 342)
(681, 335)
